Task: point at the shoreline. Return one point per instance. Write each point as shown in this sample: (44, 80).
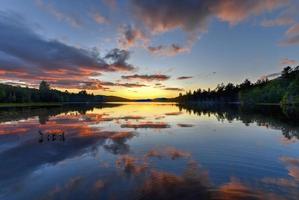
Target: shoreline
(47, 104)
(8, 105)
(54, 104)
(234, 103)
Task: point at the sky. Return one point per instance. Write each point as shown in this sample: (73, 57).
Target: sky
(145, 48)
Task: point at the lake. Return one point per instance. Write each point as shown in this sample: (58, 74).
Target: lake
(148, 151)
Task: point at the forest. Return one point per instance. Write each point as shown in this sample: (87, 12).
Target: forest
(281, 90)
(17, 94)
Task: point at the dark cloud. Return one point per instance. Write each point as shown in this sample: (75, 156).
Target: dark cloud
(174, 89)
(185, 125)
(145, 77)
(159, 85)
(25, 55)
(23, 44)
(78, 84)
(193, 15)
(130, 36)
(93, 84)
(161, 16)
(132, 117)
(151, 125)
(131, 85)
(184, 77)
(118, 60)
(171, 50)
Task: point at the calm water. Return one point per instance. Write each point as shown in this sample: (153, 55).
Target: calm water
(148, 151)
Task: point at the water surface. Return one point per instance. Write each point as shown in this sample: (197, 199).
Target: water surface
(148, 151)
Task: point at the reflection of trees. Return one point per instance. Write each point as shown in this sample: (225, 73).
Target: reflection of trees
(285, 119)
(44, 113)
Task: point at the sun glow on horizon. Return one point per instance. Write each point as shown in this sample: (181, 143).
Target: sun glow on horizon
(130, 93)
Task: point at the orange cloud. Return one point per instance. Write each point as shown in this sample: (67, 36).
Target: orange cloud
(290, 160)
(121, 135)
(174, 113)
(235, 190)
(294, 172)
(292, 36)
(99, 19)
(235, 11)
(293, 30)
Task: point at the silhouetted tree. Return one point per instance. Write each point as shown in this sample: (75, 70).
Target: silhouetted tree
(286, 72)
(44, 89)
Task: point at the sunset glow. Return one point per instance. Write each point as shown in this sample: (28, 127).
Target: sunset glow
(145, 49)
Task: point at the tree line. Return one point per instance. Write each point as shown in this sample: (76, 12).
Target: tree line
(284, 90)
(17, 94)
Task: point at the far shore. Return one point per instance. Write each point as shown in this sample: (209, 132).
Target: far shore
(45, 104)
(53, 104)
(6, 105)
(231, 103)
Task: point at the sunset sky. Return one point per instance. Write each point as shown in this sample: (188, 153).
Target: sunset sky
(145, 48)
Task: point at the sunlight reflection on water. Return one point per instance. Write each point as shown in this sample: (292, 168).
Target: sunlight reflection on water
(146, 151)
